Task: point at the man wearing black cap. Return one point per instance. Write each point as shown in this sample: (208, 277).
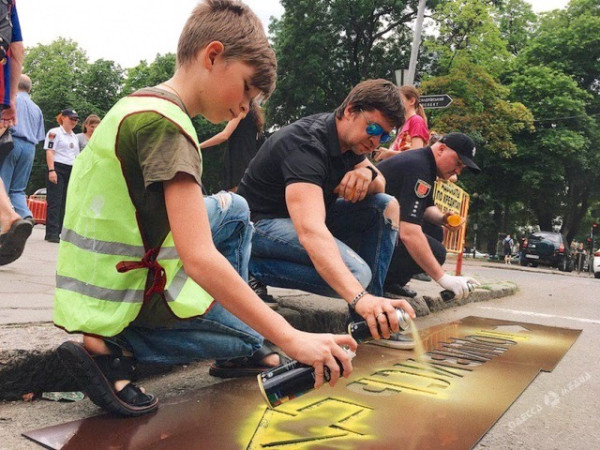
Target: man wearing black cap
(410, 177)
(62, 147)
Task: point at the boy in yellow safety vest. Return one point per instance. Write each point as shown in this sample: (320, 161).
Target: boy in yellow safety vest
(143, 254)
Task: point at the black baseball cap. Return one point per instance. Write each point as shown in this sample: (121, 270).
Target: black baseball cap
(70, 113)
(465, 147)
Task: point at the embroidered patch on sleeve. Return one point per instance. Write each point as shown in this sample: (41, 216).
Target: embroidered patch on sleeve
(422, 188)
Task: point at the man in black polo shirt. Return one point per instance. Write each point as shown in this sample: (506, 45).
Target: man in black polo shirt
(410, 177)
(322, 221)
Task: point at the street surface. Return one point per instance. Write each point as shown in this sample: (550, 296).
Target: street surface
(558, 410)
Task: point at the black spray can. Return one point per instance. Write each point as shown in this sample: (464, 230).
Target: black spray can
(361, 333)
(288, 381)
(448, 295)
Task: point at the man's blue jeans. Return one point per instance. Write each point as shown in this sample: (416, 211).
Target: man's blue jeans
(15, 171)
(218, 333)
(364, 236)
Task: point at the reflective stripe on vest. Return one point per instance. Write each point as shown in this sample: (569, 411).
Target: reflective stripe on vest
(103, 264)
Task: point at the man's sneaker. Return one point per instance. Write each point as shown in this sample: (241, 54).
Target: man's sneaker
(260, 289)
(393, 290)
(422, 277)
(399, 341)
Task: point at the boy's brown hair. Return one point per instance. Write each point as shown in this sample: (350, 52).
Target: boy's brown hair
(232, 23)
(379, 94)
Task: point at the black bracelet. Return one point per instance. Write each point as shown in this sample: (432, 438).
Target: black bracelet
(374, 173)
(51, 170)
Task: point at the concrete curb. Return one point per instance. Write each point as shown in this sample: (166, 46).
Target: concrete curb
(321, 314)
(37, 369)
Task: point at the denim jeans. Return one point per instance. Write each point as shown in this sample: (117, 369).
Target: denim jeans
(364, 236)
(15, 171)
(218, 333)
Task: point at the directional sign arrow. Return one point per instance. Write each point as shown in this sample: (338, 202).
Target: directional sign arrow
(435, 101)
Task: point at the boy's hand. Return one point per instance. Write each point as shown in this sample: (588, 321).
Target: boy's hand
(320, 350)
(382, 311)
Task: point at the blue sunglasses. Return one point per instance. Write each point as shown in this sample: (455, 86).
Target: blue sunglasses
(374, 129)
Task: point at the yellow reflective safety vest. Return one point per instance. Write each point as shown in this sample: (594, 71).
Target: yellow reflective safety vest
(103, 263)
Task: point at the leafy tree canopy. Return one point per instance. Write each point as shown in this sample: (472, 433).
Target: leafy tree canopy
(567, 41)
(324, 47)
(467, 30)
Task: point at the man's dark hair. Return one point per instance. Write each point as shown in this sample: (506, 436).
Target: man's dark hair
(379, 94)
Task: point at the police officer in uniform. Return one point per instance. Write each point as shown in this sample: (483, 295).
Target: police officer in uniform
(62, 147)
(410, 177)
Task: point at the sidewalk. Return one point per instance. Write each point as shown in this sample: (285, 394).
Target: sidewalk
(28, 338)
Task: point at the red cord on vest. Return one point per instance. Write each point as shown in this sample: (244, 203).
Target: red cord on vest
(159, 276)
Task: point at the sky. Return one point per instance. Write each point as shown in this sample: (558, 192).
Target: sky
(128, 31)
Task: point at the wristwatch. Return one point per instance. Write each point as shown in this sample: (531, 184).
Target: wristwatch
(51, 170)
(374, 173)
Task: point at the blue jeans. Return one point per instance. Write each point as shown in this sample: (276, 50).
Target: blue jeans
(218, 333)
(15, 171)
(364, 236)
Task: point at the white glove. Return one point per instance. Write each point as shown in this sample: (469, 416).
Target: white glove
(458, 285)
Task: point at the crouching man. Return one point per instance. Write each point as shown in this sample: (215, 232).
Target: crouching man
(323, 223)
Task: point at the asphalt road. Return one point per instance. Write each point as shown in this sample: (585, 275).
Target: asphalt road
(558, 410)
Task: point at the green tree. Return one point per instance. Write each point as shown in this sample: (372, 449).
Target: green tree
(144, 74)
(467, 30)
(57, 73)
(557, 76)
(569, 41)
(324, 47)
(102, 83)
(516, 21)
(482, 109)
(557, 162)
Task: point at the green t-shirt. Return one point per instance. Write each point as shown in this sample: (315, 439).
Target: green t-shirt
(152, 150)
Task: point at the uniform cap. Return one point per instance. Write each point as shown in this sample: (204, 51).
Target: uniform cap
(70, 113)
(465, 147)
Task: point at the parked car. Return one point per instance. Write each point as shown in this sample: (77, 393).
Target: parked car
(547, 248)
(596, 264)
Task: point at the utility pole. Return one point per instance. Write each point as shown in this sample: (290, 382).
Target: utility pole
(414, 53)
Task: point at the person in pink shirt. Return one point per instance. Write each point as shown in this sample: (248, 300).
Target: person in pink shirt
(414, 132)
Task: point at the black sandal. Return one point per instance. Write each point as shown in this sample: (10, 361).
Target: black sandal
(13, 241)
(96, 375)
(245, 366)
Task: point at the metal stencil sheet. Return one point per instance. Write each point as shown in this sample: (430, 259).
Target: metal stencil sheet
(471, 372)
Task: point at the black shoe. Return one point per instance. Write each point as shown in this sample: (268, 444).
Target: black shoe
(13, 241)
(398, 290)
(53, 239)
(422, 277)
(260, 289)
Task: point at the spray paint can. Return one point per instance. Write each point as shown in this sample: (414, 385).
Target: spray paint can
(448, 295)
(361, 333)
(288, 381)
